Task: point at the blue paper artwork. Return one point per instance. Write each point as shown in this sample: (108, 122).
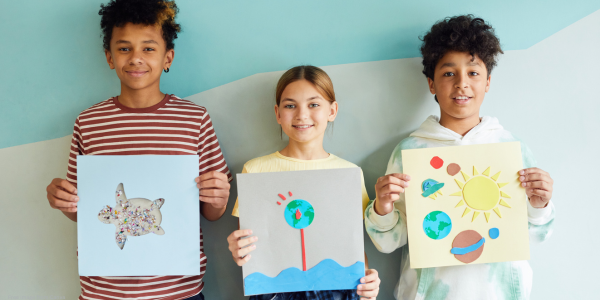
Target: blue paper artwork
(309, 244)
(160, 213)
(437, 225)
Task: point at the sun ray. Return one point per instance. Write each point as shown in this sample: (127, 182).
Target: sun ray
(497, 211)
(475, 172)
(460, 184)
(500, 185)
(465, 176)
(439, 192)
(475, 215)
(432, 196)
(505, 195)
(461, 203)
(503, 203)
(459, 193)
(487, 172)
(487, 216)
(467, 210)
(495, 177)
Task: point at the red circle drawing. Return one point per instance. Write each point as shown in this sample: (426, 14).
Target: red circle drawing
(436, 162)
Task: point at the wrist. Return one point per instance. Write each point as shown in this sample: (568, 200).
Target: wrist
(383, 209)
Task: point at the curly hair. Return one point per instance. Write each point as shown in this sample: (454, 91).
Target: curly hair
(148, 12)
(462, 34)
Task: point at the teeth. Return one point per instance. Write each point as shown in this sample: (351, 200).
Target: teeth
(303, 126)
(462, 98)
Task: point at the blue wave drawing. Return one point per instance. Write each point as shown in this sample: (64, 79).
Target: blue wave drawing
(327, 275)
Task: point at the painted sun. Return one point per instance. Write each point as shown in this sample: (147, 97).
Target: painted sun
(480, 193)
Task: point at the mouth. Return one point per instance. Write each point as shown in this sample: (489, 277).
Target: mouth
(461, 99)
(136, 73)
(302, 126)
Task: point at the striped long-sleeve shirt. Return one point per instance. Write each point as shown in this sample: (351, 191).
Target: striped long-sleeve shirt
(171, 127)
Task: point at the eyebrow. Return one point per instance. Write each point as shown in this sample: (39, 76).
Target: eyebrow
(145, 42)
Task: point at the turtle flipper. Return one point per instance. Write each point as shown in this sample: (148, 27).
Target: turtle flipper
(120, 238)
(158, 230)
(120, 195)
(158, 202)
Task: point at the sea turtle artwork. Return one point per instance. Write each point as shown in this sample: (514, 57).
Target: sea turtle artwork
(132, 217)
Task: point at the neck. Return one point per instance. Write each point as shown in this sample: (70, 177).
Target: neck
(140, 98)
(460, 126)
(305, 150)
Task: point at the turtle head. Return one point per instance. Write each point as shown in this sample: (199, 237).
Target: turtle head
(106, 215)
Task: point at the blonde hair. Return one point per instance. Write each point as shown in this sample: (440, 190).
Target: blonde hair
(312, 74)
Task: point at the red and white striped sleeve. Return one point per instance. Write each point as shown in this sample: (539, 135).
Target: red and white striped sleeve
(211, 157)
(76, 149)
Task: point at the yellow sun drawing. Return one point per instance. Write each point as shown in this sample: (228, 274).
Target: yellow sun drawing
(481, 193)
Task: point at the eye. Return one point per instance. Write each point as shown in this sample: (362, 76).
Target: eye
(314, 105)
(124, 49)
(290, 106)
(149, 49)
(448, 74)
(473, 73)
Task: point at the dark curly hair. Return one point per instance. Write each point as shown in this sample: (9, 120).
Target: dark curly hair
(148, 12)
(462, 34)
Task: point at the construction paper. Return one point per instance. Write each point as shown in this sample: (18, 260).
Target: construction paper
(467, 246)
(138, 215)
(473, 201)
(313, 240)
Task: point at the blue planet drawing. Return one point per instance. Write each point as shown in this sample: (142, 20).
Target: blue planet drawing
(494, 233)
(299, 214)
(437, 225)
(431, 187)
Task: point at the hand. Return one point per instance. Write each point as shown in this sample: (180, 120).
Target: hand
(239, 247)
(369, 287)
(62, 195)
(538, 186)
(214, 188)
(388, 189)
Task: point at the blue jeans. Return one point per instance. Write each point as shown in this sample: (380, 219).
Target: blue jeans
(310, 295)
(197, 297)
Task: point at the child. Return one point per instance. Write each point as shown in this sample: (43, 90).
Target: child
(138, 44)
(459, 54)
(305, 104)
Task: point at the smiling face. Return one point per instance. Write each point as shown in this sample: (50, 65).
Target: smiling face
(138, 54)
(303, 113)
(460, 83)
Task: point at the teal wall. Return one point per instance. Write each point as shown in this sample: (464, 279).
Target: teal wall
(54, 65)
(229, 58)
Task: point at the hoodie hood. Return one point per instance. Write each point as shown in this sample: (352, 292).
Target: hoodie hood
(432, 130)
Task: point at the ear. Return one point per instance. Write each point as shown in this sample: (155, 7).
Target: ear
(333, 110)
(277, 116)
(487, 85)
(431, 86)
(169, 56)
(109, 59)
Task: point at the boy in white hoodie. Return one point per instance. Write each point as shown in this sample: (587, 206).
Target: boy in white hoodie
(459, 54)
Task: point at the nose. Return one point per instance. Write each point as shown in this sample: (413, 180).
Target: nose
(136, 57)
(461, 81)
(302, 113)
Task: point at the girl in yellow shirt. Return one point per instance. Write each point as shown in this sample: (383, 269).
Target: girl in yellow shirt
(305, 104)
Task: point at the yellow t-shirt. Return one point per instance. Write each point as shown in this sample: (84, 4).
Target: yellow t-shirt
(278, 163)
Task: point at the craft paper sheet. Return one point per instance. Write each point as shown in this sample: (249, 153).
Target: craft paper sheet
(138, 215)
(323, 205)
(465, 205)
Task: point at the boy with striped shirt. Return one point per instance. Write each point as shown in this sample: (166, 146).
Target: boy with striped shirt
(138, 43)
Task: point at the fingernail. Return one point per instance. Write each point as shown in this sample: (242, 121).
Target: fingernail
(76, 198)
(249, 231)
(521, 178)
(408, 177)
(75, 191)
(523, 184)
(405, 184)
(255, 238)
(522, 172)
(253, 246)
(362, 280)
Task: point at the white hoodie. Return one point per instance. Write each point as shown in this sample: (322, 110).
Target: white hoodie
(505, 280)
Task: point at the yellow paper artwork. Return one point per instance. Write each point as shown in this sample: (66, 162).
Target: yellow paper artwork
(453, 228)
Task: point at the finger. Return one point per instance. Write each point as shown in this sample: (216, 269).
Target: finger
(65, 185)
(369, 293)
(532, 171)
(370, 276)
(391, 189)
(537, 185)
(239, 233)
(369, 286)
(542, 193)
(404, 177)
(389, 198)
(213, 183)
(241, 243)
(58, 203)
(63, 195)
(535, 177)
(239, 253)
(214, 193)
(391, 180)
(212, 175)
(241, 261)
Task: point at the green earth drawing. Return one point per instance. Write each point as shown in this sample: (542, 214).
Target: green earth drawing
(437, 225)
(299, 213)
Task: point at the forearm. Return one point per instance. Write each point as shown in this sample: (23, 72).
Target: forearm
(388, 232)
(71, 215)
(210, 212)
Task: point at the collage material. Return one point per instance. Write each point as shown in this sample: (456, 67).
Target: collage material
(465, 205)
(309, 229)
(133, 210)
